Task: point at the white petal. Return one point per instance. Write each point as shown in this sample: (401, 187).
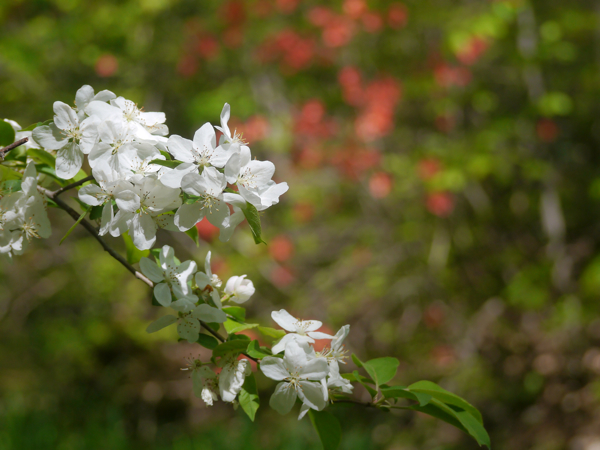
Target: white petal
(292, 337)
(284, 319)
(89, 195)
(68, 161)
(50, 137)
(283, 398)
(225, 113)
(319, 335)
(84, 95)
(172, 177)
(167, 257)
(143, 231)
(65, 118)
(315, 369)
(274, 368)
(339, 337)
(189, 215)
(108, 216)
(311, 395)
(303, 410)
(180, 148)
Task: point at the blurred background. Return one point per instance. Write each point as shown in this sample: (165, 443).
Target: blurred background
(444, 201)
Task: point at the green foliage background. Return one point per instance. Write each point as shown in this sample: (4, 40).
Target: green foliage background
(448, 212)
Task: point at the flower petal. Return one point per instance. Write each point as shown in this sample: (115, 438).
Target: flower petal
(311, 395)
(284, 319)
(274, 368)
(283, 398)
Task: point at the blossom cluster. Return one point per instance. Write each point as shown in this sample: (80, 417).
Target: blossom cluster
(195, 296)
(145, 180)
(198, 297)
(312, 376)
(23, 215)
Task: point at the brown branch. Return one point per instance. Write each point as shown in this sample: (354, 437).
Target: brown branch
(8, 148)
(72, 185)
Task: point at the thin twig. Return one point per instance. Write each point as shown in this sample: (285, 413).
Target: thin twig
(8, 148)
(213, 332)
(90, 228)
(72, 185)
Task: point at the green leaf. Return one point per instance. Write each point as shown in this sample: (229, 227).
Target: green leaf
(236, 311)
(474, 427)
(214, 326)
(271, 332)
(8, 174)
(46, 170)
(253, 219)
(207, 341)
(232, 326)
(401, 392)
(445, 396)
(7, 134)
(193, 233)
(96, 212)
(42, 156)
(38, 124)
(161, 323)
(382, 370)
(327, 427)
(235, 346)
(9, 186)
(459, 418)
(74, 225)
(358, 377)
(255, 351)
(440, 412)
(248, 398)
(233, 337)
(133, 253)
(356, 361)
(166, 163)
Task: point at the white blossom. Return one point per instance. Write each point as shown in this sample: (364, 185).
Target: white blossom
(201, 152)
(238, 289)
(140, 208)
(170, 277)
(230, 141)
(299, 376)
(300, 330)
(232, 377)
(253, 179)
(208, 188)
(70, 136)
